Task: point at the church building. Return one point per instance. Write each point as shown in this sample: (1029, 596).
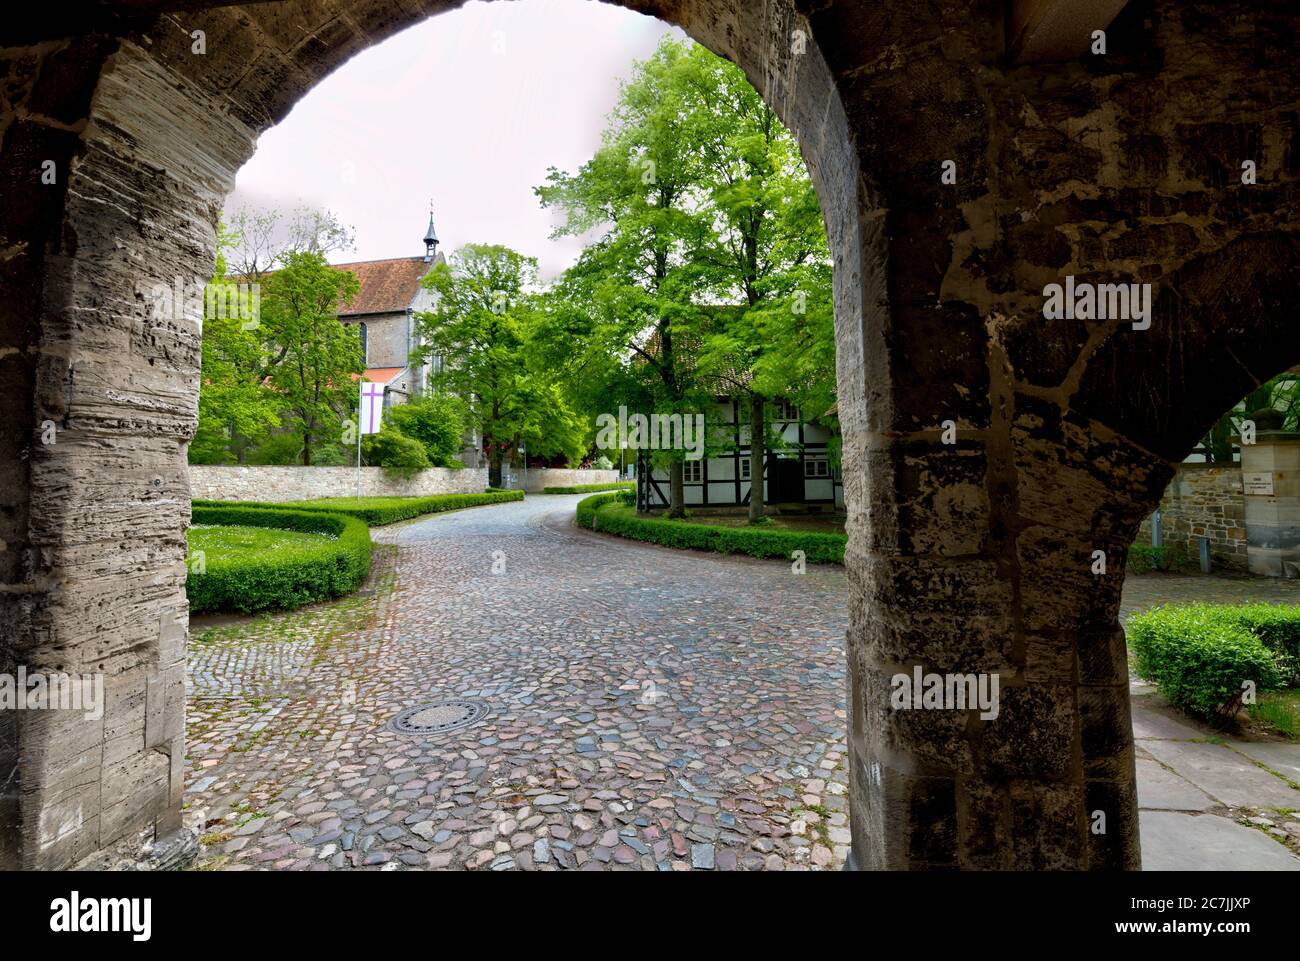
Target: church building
(383, 313)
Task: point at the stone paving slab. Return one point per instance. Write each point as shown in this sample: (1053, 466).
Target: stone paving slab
(1161, 789)
(1224, 774)
(1149, 723)
(1173, 841)
(1283, 758)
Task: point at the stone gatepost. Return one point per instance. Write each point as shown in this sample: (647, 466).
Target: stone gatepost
(1270, 476)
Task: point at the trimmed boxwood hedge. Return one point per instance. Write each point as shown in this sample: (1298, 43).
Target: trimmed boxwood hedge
(606, 513)
(378, 511)
(1198, 655)
(283, 579)
(591, 488)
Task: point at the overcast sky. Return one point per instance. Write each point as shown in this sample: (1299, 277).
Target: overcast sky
(468, 109)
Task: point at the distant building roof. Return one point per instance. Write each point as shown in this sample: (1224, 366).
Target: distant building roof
(381, 375)
(386, 285)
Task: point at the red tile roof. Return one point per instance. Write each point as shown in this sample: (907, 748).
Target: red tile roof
(382, 375)
(386, 285)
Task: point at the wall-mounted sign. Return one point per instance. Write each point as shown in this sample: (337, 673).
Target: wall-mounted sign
(1257, 483)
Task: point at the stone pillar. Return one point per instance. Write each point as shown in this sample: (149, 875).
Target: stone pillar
(1270, 476)
(115, 376)
(981, 560)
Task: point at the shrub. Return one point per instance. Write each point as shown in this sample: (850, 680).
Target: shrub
(1199, 658)
(591, 488)
(394, 452)
(1142, 559)
(1276, 625)
(377, 511)
(284, 575)
(606, 513)
(436, 422)
(602, 463)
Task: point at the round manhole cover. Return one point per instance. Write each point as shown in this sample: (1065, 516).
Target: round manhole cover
(439, 717)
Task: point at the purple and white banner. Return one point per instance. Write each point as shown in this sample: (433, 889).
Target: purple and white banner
(371, 414)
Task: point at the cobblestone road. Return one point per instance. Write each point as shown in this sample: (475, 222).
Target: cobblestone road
(647, 708)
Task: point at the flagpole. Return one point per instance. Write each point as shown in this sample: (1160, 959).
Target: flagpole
(360, 408)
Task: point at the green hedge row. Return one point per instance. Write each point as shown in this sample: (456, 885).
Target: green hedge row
(591, 488)
(1199, 655)
(283, 579)
(606, 513)
(378, 511)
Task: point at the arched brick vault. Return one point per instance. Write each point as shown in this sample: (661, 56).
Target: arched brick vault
(970, 557)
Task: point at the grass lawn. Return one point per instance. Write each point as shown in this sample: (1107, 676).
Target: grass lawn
(351, 503)
(230, 543)
(1279, 710)
(377, 511)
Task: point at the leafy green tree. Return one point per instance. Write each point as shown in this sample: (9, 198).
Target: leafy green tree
(483, 325)
(1273, 404)
(639, 279)
(317, 359)
(766, 252)
(711, 268)
(235, 409)
(243, 400)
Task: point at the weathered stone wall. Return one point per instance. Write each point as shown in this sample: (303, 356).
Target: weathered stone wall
(387, 340)
(1204, 500)
(267, 483)
(536, 478)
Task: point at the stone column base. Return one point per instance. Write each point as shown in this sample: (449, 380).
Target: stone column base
(173, 852)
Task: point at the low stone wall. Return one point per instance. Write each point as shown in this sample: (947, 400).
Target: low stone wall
(249, 483)
(536, 478)
(1204, 500)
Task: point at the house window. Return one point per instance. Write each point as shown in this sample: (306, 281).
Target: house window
(816, 467)
(786, 411)
(364, 335)
(744, 467)
(693, 471)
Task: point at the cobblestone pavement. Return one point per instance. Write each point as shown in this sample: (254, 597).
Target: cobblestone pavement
(647, 708)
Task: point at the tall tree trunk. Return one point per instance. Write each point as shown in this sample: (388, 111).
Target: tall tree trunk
(494, 465)
(306, 450)
(757, 454)
(676, 489)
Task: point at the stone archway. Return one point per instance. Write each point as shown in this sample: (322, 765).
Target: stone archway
(965, 557)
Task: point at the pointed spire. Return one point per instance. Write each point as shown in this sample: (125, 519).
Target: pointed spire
(430, 238)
